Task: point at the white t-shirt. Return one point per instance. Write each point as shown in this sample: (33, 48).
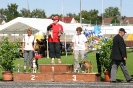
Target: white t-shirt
(79, 41)
(28, 40)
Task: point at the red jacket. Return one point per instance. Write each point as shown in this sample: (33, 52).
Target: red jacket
(55, 32)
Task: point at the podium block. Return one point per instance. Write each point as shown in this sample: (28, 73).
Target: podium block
(62, 68)
(77, 77)
(32, 77)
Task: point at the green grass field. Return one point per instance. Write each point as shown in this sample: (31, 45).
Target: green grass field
(91, 56)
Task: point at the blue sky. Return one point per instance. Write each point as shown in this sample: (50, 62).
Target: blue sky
(70, 6)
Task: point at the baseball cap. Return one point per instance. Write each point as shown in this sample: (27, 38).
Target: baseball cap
(122, 29)
(55, 18)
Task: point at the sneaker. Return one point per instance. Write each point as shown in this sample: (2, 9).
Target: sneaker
(29, 70)
(83, 71)
(59, 61)
(52, 62)
(24, 71)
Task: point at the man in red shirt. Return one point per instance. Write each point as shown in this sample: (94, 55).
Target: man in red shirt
(54, 39)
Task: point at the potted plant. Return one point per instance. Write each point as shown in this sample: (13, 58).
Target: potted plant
(8, 53)
(105, 60)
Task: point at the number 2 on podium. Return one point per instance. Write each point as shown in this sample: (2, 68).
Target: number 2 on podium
(33, 77)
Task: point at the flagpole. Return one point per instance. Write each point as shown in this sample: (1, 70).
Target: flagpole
(102, 12)
(80, 14)
(62, 10)
(120, 12)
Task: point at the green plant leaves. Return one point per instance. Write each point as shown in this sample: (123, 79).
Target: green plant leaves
(106, 47)
(8, 52)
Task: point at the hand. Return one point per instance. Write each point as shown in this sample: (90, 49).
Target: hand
(72, 52)
(86, 50)
(22, 50)
(125, 58)
(34, 50)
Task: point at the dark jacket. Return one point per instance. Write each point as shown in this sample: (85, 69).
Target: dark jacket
(118, 48)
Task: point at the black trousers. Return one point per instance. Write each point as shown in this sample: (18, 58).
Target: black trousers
(54, 49)
(98, 63)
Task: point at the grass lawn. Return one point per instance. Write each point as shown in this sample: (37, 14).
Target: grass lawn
(91, 56)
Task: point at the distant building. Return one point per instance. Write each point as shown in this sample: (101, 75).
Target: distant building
(124, 21)
(2, 21)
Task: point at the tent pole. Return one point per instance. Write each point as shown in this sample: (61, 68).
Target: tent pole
(65, 45)
(47, 48)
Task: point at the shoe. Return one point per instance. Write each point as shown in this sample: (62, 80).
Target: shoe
(83, 71)
(52, 62)
(130, 80)
(29, 70)
(59, 61)
(24, 71)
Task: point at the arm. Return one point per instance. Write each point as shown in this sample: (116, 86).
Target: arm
(122, 48)
(23, 44)
(62, 31)
(35, 43)
(86, 46)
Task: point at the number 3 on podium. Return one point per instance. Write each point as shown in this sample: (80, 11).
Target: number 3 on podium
(74, 77)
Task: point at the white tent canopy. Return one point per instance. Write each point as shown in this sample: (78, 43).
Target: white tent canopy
(20, 25)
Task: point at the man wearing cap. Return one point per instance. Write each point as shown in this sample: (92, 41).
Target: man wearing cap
(54, 39)
(119, 56)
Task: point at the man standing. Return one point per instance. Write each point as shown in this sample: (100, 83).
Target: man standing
(54, 39)
(28, 48)
(119, 56)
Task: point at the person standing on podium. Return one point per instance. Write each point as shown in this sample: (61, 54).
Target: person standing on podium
(28, 49)
(80, 47)
(54, 32)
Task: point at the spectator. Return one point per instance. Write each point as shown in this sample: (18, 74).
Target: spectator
(119, 56)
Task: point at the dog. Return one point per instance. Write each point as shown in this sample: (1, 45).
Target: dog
(34, 66)
(49, 31)
(87, 65)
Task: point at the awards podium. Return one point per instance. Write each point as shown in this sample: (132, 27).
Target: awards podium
(56, 73)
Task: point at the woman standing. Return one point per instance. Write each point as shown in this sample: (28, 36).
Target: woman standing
(79, 47)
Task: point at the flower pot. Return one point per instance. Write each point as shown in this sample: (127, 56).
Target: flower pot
(7, 76)
(107, 76)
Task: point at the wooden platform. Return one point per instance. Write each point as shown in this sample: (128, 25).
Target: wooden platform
(56, 68)
(32, 77)
(56, 77)
(77, 77)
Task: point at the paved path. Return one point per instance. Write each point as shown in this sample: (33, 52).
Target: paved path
(64, 85)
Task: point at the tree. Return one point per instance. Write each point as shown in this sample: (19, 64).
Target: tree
(71, 14)
(11, 12)
(90, 16)
(38, 13)
(52, 15)
(2, 14)
(111, 12)
(115, 20)
(25, 12)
